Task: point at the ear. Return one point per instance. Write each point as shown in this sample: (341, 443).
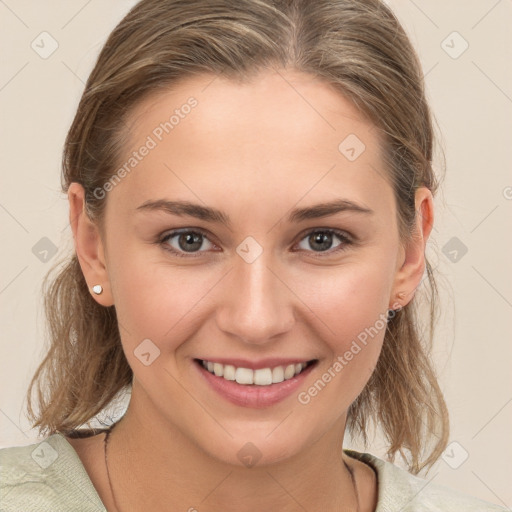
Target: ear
(88, 245)
(411, 265)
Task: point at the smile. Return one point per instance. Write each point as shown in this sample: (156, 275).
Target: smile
(267, 383)
(259, 377)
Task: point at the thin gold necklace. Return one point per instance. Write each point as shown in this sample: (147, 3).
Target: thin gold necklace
(352, 477)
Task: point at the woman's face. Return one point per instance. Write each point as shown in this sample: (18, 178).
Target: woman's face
(260, 275)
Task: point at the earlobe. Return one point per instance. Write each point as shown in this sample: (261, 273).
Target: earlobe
(88, 247)
(411, 266)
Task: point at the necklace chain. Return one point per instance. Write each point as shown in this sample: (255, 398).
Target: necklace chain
(352, 477)
(105, 443)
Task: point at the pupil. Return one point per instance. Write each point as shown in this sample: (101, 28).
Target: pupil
(187, 241)
(324, 240)
(191, 241)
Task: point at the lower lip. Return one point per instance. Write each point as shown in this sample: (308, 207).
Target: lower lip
(250, 395)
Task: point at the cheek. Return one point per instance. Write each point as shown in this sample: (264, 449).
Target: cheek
(351, 307)
(154, 300)
(348, 298)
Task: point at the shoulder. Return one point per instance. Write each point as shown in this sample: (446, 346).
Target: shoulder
(399, 490)
(45, 476)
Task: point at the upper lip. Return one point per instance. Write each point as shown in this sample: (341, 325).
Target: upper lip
(256, 365)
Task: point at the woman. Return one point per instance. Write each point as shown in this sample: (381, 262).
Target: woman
(251, 194)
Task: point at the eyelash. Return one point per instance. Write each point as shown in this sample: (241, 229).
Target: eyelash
(344, 238)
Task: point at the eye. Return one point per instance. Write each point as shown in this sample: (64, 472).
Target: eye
(181, 242)
(188, 242)
(321, 240)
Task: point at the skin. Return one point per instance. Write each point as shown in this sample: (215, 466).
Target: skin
(254, 151)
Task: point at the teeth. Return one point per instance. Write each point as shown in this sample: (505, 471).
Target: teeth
(244, 376)
(277, 374)
(229, 372)
(218, 369)
(263, 377)
(289, 371)
(260, 377)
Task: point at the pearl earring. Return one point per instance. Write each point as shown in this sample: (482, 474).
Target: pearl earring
(97, 289)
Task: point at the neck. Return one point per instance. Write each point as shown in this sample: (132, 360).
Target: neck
(155, 466)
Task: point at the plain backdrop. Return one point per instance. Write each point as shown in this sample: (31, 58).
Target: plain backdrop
(465, 48)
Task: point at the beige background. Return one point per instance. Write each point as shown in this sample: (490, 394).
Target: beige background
(471, 96)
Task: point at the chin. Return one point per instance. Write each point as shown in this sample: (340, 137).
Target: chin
(253, 451)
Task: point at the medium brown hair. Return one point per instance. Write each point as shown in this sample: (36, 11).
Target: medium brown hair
(357, 46)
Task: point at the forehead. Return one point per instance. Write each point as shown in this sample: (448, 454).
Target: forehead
(280, 136)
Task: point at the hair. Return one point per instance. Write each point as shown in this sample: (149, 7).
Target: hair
(356, 46)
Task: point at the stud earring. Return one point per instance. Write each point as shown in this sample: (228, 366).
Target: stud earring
(97, 289)
(393, 312)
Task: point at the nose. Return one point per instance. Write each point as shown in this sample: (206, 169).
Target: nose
(256, 305)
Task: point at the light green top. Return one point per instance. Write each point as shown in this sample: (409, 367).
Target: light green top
(49, 477)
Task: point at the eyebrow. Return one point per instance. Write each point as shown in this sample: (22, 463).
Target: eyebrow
(186, 208)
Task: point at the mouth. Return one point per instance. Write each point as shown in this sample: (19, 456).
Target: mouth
(259, 387)
(265, 376)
